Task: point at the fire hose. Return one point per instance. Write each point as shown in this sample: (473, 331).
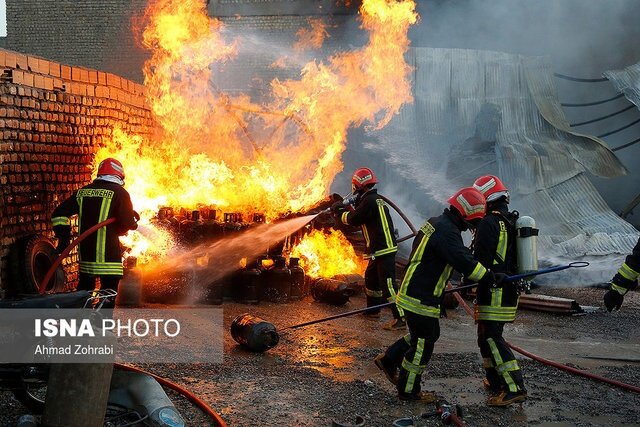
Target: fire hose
(175, 387)
(65, 252)
(186, 393)
(578, 264)
(547, 362)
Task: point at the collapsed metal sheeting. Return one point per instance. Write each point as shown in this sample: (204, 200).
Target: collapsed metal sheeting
(627, 81)
(479, 112)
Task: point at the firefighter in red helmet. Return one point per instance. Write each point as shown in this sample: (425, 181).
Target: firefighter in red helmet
(437, 250)
(99, 254)
(495, 245)
(372, 215)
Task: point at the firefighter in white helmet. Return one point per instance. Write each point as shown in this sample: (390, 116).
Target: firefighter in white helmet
(495, 246)
(437, 251)
(372, 215)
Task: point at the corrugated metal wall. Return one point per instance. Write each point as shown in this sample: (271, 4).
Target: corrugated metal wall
(447, 138)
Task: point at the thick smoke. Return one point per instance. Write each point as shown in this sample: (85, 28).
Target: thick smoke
(582, 38)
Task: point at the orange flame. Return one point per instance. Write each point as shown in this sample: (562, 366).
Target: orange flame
(327, 254)
(226, 151)
(313, 37)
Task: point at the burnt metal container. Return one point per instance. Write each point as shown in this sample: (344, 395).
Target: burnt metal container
(331, 291)
(277, 282)
(254, 333)
(247, 285)
(297, 279)
(130, 287)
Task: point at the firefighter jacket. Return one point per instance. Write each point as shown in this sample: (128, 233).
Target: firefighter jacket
(627, 276)
(99, 253)
(372, 215)
(437, 250)
(494, 245)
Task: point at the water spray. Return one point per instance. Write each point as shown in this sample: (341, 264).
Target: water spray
(258, 335)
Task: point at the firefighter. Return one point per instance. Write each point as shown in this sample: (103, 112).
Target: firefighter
(494, 246)
(372, 215)
(626, 279)
(437, 251)
(99, 254)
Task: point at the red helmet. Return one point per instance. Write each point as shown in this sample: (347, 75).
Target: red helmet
(491, 187)
(470, 203)
(110, 166)
(361, 178)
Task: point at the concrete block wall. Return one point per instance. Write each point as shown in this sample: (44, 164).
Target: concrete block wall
(100, 34)
(52, 118)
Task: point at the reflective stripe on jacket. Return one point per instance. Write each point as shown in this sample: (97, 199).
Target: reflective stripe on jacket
(372, 215)
(437, 251)
(494, 245)
(99, 253)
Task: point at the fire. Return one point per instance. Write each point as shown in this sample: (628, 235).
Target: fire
(311, 38)
(325, 254)
(273, 157)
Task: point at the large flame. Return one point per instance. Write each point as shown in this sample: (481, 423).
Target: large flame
(227, 151)
(326, 254)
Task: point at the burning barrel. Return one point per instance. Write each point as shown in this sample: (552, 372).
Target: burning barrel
(254, 333)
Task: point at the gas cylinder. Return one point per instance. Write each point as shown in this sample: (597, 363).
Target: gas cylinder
(277, 282)
(354, 281)
(297, 279)
(247, 285)
(130, 288)
(331, 291)
(254, 333)
(527, 244)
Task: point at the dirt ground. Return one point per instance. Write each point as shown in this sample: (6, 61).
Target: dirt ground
(325, 372)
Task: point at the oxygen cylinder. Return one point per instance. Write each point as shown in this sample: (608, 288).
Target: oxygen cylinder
(297, 279)
(130, 288)
(254, 333)
(527, 245)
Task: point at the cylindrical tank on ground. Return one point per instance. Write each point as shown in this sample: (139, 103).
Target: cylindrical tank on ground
(354, 281)
(130, 288)
(277, 282)
(330, 291)
(297, 279)
(247, 285)
(527, 245)
(254, 333)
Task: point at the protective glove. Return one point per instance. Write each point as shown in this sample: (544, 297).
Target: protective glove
(136, 216)
(613, 299)
(499, 279)
(337, 208)
(487, 280)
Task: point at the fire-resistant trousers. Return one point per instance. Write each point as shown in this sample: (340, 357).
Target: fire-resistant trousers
(413, 351)
(380, 282)
(501, 366)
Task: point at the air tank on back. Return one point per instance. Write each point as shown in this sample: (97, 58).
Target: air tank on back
(527, 245)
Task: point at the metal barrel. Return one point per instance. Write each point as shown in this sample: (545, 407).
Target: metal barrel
(254, 333)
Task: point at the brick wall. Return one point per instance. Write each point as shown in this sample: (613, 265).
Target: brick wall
(99, 34)
(52, 119)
